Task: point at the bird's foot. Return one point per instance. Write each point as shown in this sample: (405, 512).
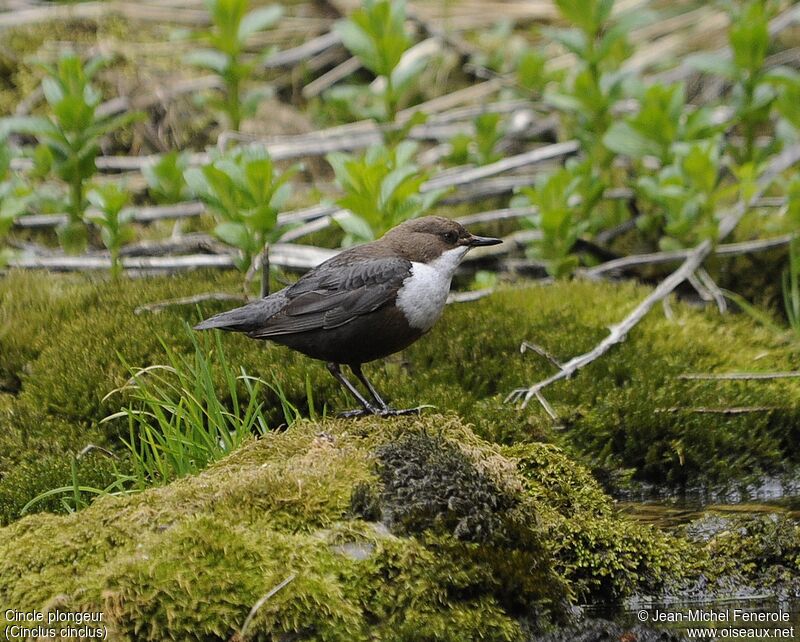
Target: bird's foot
(373, 411)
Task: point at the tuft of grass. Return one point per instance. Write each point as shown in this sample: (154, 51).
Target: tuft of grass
(178, 423)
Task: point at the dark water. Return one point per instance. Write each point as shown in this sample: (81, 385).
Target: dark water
(756, 618)
(739, 617)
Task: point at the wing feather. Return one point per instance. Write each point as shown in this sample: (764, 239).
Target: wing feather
(336, 293)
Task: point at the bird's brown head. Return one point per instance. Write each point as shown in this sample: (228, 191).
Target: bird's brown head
(425, 239)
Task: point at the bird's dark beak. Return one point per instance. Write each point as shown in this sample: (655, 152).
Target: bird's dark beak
(477, 241)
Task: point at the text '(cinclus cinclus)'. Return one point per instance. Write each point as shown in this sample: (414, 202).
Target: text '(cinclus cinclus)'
(365, 303)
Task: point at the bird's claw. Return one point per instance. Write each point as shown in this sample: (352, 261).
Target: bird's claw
(372, 411)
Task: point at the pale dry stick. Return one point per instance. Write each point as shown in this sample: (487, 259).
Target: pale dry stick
(472, 93)
(713, 289)
(97, 10)
(288, 255)
(668, 313)
(146, 264)
(498, 215)
(472, 174)
(186, 209)
(330, 78)
(700, 288)
(194, 243)
(740, 376)
(727, 249)
(489, 187)
(189, 300)
(140, 215)
(309, 49)
(261, 601)
(735, 410)
(693, 261)
(542, 352)
(548, 408)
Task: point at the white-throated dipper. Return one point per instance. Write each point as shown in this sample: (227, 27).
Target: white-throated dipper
(367, 302)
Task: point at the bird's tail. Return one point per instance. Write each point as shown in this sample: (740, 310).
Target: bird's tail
(245, 319)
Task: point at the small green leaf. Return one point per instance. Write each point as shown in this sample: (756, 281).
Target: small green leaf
(258, 20)
(234, 234)
(356, 227)
(208, 59)
(73, 236)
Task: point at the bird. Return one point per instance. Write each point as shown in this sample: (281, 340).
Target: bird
(365, 303)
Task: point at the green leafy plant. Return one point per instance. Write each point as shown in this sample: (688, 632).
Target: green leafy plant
(588, 94)
(565, 201)
(662, 122)
(498, 47)
(686, 194)
(113, 220)
(376, 35)
(69, 136)
(531, 72)
(178, 422)
(231, 26)
(480, 149)
(245, 191)
(754, 87)
(15, 195)
(165, 180)
(381, 190)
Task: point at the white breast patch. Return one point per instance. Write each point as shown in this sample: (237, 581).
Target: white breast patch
(423, 294)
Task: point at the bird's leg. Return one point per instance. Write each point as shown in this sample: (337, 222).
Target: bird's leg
(356, 368)
(384, 411)
(369, 409)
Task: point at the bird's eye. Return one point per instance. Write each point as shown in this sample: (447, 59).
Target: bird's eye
(450, 237)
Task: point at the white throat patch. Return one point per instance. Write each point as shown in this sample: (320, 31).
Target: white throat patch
(423, 294)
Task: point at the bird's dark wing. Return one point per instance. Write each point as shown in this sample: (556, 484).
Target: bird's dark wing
(339, 290)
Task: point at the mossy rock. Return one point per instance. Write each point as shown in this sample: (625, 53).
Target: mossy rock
(604, 558)
(192, 558)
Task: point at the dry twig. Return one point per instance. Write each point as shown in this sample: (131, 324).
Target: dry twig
(739, 376)
(189, 300)
(693, 261)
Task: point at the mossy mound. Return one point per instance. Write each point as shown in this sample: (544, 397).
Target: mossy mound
(630, 409)
(282, 507)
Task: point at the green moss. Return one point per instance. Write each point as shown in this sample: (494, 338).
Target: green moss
(467, 501)
(32, 311)
(224, 538)
(82, 348)
(36, 451)
(761, 552)
(603, 556)
(628, 411)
